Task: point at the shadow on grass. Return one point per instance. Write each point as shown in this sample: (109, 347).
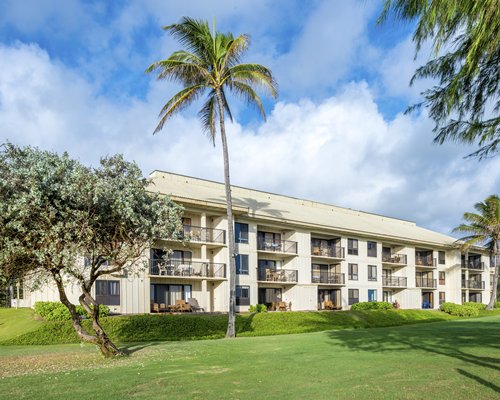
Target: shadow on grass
(479, 380)
(132, 348)
(448, 339)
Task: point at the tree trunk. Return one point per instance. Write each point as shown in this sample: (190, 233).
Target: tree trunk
(231, 329)
(75, 318)
(495, 257)
(106, 346)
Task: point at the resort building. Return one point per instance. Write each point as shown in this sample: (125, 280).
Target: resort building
(291, 254)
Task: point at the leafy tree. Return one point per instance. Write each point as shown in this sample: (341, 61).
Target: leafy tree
(54, 210)
(211, 63)
(483, 228)
(465, 104)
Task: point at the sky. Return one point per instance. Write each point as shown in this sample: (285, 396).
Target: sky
(72, 79)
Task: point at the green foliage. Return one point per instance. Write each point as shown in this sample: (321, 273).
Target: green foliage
(460, 310)
(211, 62)
(372, 305)
(479, 306)
(155, 327)
(257, 308)
(56, 311)
(465, 102)
(497, 304)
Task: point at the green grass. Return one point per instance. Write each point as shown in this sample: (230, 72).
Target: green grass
(455, 359)
(140, 328)
(16, 322)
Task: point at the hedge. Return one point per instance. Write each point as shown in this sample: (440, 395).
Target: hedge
(460, 310)
(158, 327)
(57, 311)
(372, 305)
(479, 306)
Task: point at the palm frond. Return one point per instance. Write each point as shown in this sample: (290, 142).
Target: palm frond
(255, 75)
(178, 102)
(248, 94)
(235, 49)
(209, 116)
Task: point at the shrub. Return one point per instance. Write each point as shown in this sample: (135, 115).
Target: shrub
(497, 304)
(56, 311)
(257, 308)
(372, 305)
(464, 310)
(479, 306)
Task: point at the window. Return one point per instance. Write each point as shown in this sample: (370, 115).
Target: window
(242, 264)
(372, 272)
(107, 292)
(242, 295)
(442, 257)
(372, 295)
(442, 297)
(241, 232)
(442, 278)
(352, 247)
(372, 249)
(352, 272)
(353, 296)
(169, 294)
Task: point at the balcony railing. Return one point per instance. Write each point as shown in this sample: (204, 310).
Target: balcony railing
(329, 251)
(425, 282)
(394, 259)
(394, 281)
(331, 278)
(473, 264)
(187, 269)
(278, 246)
(425, 261)
(471, 284)
(276, 275)
(200, 234)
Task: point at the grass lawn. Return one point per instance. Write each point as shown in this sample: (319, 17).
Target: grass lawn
(14, 322)
(456, 359)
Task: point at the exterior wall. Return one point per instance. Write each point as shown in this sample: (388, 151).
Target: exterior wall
(213, 293)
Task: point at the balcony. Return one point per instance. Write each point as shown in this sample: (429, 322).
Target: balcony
(471, 284)
(476, 265)
(394, 281)
(395, 259)
(277, 246)
(331, 278)
(425, 262)
(204, 235)
(277, 275)
(192, 269)
(329, 251)
(428, 283)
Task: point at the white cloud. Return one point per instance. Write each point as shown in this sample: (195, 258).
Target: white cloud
(339, 150)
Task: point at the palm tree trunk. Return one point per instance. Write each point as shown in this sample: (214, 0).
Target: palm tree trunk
(231, 329)
(495, 257)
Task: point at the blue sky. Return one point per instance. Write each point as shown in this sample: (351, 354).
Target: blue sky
(72, 79)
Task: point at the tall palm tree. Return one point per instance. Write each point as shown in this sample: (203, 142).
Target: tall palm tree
(483, 228)
(211, 63)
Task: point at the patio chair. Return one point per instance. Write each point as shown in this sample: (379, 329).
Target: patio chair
(328, 304)
(163, 307)
(194, 305)
(282, 306)
(155, 307)
(182, 306)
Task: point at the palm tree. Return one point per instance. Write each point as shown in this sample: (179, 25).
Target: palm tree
(483, 228)
(211, 63)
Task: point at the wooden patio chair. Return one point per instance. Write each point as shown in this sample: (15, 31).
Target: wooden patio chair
(163, 308)
(194, 305)
(182, 306)
(328, 304)
(155, 307)
(282, 306)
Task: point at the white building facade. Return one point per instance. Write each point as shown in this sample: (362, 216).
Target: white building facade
(291, 254)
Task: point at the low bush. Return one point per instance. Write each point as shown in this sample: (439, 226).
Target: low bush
(497, 304)
(158, 327)
(257, 308)
(56, 311)
(479, 306)
(460, 310)
(372, 305)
